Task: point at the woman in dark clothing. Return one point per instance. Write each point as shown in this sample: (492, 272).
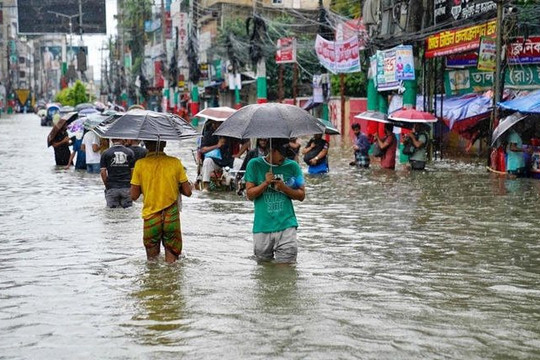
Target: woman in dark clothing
(60, 143)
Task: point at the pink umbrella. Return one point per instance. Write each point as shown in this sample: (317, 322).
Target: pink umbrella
(216, 113)
(412, 116)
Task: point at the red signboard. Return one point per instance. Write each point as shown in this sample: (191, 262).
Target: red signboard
(286, 50)
(524, 51)
(459, 40)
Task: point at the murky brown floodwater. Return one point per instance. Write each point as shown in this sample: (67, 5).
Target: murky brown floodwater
(437, 265)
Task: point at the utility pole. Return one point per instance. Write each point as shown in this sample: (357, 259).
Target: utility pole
(499, 82)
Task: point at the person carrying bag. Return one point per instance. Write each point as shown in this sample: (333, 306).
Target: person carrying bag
(416, 147)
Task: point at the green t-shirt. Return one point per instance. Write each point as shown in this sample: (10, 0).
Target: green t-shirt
(273, 209)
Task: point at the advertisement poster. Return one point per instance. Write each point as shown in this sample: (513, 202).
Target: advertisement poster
(404, 62)
(286, 51)
(487, 54)
(386, 70)
(52, 57)
(393, 66)
(338, 56)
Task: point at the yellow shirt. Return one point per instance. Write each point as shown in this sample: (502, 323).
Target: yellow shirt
(159, 176)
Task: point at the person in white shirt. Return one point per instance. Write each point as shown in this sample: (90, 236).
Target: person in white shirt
(90, 146)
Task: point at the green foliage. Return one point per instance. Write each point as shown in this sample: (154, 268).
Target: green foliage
(355, 84)
(73, 95)
(348, 8)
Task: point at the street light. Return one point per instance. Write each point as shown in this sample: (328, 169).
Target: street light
(69, 17)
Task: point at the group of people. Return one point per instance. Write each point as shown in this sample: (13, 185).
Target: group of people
(385, 147)
(271, 173)
(217, 152)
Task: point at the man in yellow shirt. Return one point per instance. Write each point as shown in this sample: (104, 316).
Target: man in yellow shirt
(161, 179)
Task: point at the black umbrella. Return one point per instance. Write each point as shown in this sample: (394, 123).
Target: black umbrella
(271, 120)
(146, 125)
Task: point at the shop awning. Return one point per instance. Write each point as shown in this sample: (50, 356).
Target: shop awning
(529, 103)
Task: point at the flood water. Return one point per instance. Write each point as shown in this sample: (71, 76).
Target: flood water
(437, 265)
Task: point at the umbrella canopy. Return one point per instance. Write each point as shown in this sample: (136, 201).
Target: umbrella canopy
(412, 116)
(373, 116)
(66, 109)
(94, 119)
(270, 120)
(79, 107)
(42, 112)
(87, 111)
(505, 125)
(526, 104)
(99, 105)
(65, 119)
(217, 113)
(329, 128)
(145, 125)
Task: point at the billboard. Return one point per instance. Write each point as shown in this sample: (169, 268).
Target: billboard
(51, 57)
(54, 17)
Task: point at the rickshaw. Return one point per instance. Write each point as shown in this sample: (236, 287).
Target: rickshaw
(52, 109)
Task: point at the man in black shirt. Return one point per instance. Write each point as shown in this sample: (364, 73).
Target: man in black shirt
(138, 150)
(117, 163)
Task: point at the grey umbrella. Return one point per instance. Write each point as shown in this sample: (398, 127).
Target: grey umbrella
(146, 125)
(505, 125)
(271, 120)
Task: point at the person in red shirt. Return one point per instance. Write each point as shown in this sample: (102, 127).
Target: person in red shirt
(388, 145)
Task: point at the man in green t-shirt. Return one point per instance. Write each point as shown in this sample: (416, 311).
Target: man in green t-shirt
(272, 182)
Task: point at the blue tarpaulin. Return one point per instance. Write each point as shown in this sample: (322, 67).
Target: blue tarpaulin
(525, 104)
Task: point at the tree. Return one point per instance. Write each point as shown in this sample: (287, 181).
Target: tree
(73, 95)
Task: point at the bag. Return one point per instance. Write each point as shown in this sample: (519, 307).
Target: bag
(376, 150)
(408, 148)
(214, 154)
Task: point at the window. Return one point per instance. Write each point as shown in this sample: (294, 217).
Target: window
(277, 2)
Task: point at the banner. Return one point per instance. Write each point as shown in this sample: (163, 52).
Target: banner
(458, 82)
(524, 51)
(286, 51)
(393, 66)
(487, 54)
(338, 56)
(450, 10)
(462, 60)
(459, 40)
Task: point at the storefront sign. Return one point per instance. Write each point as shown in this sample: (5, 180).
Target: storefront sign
(470, 80)
(444, 10)
(462, 60)
(524, 51)
(487, 54)
(459, 40)
(286, 51)
(338, 56)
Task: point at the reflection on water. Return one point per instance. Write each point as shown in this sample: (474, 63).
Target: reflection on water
(435, 264)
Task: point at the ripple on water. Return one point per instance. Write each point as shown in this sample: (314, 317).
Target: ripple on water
(437, 264)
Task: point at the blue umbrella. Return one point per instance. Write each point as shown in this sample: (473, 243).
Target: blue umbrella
(525, 104)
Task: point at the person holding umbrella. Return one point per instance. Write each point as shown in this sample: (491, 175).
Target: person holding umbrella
(272, 182)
